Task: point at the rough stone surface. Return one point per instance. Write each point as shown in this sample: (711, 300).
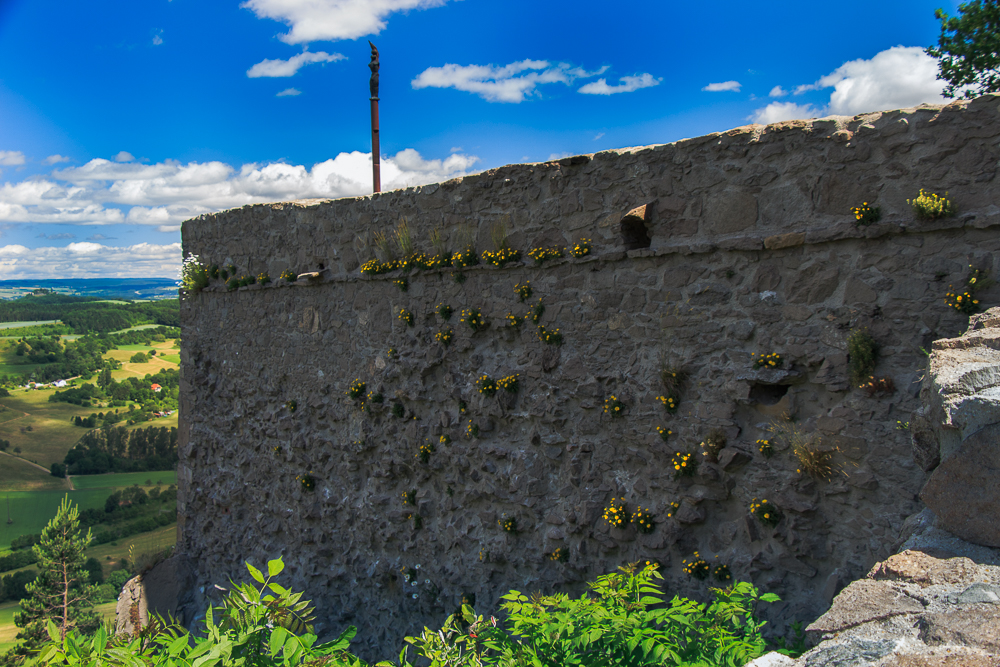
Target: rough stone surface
(952, 616)
(265, 369)
(167, 588)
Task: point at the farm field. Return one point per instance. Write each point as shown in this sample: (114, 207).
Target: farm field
(8, 631)
(19, 475)
(31, 510)
(15, 325)
(155, 365)
(155, 541)
(52, 433)
(119, 480)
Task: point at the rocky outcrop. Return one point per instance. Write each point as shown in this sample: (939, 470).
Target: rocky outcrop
(959, 425)
(914, 610)
(166, 589)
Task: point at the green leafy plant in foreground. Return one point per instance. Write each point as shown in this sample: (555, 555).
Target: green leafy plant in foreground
(623, 621)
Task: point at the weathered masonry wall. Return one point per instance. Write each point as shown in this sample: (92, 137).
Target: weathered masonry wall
(752, 249)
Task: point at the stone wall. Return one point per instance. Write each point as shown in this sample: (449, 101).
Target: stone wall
(751, 249)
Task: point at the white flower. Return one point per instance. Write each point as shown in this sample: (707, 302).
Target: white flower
(415, 596)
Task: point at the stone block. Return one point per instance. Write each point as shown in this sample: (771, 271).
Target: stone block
(864, 601)
(924, 570)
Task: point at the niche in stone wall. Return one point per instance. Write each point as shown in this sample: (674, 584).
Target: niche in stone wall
(767, 394)
(634, 228)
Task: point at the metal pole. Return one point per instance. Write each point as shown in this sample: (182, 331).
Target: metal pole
(376, 177)
(373, 86)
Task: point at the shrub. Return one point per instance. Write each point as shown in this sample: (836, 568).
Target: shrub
(549, 336)
(931, 206)
(540, 255)
(472, 318)
(963, 300)
(614, 407)
(772, 360)
(862, 355)
(194, 275)
(233, 284)
(486, 386)
(398, 410)
(765, 512)
(616, 514)
(444, 336)
(865, 215)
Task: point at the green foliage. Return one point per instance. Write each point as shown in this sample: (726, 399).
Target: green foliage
(931, 206)
(968, 49)
(61, 591)
(862, 355)
(194, 274)
(624, 620)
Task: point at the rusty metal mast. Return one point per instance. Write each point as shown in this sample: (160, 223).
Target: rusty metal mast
(373, 85)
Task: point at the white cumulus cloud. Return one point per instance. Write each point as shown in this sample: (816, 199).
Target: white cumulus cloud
(276, 68)
(627, 84)
(733, 86)
(289, 92)
(510, 83)
(55, 159)
(778, 111)
(777, 91)
(11, 158)
(124, 156)
(897, 78)
(162, 195)
(90, 260)
(331, 20)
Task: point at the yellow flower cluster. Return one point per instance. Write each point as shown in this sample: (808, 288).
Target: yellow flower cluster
(865, 214)
(288, 276)
(464, 258)
(307, 481)
(391, 353)
(509, 383)
(674, 506)
(375, 396)
(513, 321)
(444, 311)
(402, 283)
(765, 512)
(444, 336)
(542, 254)
(523, 291)
(536, 312)
(472, 318)
(374, 267)
(882, 385)
(509, 525)
(772, 360)
(683, 465)
(664, 432)
(721, 572)
(643, 520)
(765, 448)
(264, 278)
(582, 248)
(670, 403)
(698, 567)
(406, 316)
(486, 386)
(550, 336)
(931, 206)
(445, 439)
(613, 406)
(560, 555)
(472, 430)
(615, 514)
(424, 451)
(357, 389)
(501, 257)
(409, 497)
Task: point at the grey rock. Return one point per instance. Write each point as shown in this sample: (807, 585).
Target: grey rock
(864, 601)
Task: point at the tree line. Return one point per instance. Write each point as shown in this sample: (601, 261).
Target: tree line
(90, 314)
(117, 449)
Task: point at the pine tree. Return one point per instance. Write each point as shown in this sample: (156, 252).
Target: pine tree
(62, 591)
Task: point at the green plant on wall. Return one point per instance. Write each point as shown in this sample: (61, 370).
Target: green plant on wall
(964, 299)
(862, 355)
(865, 215)
(931, 206)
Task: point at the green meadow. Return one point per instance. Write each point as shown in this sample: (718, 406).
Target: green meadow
(119, 480)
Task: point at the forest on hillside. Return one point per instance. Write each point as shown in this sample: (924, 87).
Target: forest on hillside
(90, 315)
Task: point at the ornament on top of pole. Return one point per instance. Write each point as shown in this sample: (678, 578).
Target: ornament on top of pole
(373, 86)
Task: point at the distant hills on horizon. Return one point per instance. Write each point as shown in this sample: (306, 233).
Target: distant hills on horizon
(132, 289)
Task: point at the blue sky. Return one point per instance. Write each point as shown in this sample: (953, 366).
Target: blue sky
(120, 119)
